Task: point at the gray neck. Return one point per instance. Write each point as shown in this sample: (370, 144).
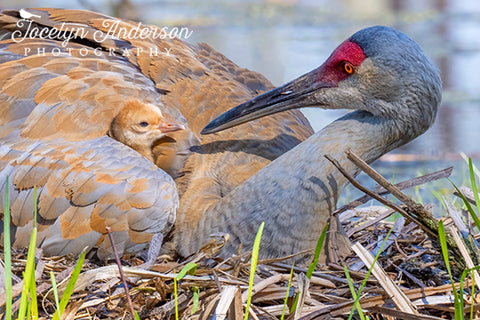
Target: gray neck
(296, 192)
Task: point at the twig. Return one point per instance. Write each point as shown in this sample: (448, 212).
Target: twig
(422, 217)
(400, 314)
(370, 192)
(268, 261)
(367, 224)
(414, 211)
(236, 309)
(370, 303)
(226, 299)
(303, 285)
(379, 179)
(120, 270)
(164, 311)
(316, 274)
(468, 193)
(463, 249)
(217, 282)
(410, 276)
(455, 215)
(398, 297)
(209, 308)
(445, 173)
(265, 283)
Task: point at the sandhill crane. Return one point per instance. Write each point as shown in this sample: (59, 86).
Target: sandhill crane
(227, 182)
(59, 103)
(394, 88)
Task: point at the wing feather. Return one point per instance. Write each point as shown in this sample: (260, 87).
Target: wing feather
(96, 183)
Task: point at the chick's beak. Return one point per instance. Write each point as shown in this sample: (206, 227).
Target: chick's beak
(167, 126)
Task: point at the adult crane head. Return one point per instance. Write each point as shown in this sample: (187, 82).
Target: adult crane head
(379, 70)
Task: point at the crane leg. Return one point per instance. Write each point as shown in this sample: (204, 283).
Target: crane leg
(153, 251)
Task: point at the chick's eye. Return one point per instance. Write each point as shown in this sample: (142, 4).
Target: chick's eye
(144, 124)
(348, 68)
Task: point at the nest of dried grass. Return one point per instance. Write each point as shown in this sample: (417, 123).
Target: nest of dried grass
(409, 281)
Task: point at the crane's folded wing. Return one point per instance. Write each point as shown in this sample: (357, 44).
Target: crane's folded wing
(83, 187)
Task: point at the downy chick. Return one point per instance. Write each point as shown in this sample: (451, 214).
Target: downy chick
(139, 125)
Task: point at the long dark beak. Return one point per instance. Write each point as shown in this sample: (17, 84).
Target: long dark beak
(295, 94)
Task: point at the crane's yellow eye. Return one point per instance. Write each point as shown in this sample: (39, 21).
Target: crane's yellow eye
(348, 68)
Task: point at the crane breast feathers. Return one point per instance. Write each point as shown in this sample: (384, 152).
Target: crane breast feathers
(87, 184)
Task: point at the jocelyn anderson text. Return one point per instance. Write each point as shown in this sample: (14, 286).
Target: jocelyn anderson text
(69, 31)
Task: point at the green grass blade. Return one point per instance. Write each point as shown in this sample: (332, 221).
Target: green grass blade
(311, 267)
(29, 309)
(7, 255)
(475, 169)
(467, 204)
(443, 244)
(318, 249)
(462, 283)
(176, 297)
(472, 302)
(55, 294)
(288, 292)
(418, 195)
(33, 286)
(33, 299)
(70, 286)
(196, 299)
(29, 268)
(253, 266)
(354, 294)
(474, 184)
(29, 273)
(35, 209)
(189, 268)
(136, 316)
(437, 194)
(368, 273)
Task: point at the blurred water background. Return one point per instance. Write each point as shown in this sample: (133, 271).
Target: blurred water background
(283, 39)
